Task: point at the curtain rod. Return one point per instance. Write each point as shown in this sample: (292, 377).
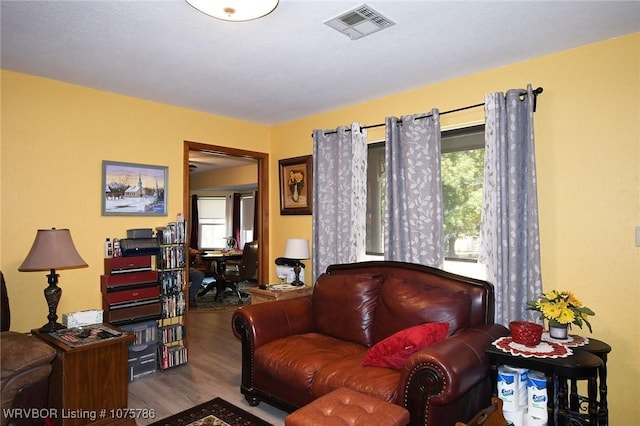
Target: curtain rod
(535, 92)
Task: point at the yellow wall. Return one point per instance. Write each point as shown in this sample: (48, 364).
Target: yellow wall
(54, 138)
(55, 135)
(588, 161)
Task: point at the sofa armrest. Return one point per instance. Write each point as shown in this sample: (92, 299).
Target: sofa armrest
(445, 371)
(268, 321)
(256, 325)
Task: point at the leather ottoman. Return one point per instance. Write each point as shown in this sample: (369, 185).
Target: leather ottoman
(344, 406)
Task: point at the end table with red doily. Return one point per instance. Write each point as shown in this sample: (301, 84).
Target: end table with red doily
(577, 359)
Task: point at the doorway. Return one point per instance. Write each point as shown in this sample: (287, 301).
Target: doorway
(262, 213)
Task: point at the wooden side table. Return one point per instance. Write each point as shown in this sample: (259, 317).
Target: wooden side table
(89, 383)
(261, 296)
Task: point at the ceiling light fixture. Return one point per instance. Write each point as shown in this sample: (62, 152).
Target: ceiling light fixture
(235, 10)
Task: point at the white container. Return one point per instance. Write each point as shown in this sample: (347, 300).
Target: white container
(511, 391)
(107, 248)
(537, 396)
(515, 418)
(529, 420)
(523, 374)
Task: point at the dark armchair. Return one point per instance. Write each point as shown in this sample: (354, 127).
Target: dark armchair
(25, 369)
(246, 269)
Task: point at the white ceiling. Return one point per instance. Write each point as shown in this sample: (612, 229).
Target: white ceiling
(203, 161)
(288, 64)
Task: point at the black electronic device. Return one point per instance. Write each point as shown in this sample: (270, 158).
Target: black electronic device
(140, 233)
(283, 261)
(139, 246)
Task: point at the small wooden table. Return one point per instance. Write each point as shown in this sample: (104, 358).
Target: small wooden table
(260, 296)
(89, 383)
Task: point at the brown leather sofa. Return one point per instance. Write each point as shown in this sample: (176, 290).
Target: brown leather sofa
(296, 350)
(25, 368)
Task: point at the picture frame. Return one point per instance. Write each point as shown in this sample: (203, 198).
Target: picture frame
(296, 184)
(130, 189)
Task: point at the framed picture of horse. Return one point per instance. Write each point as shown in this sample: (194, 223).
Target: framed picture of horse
(130, 189)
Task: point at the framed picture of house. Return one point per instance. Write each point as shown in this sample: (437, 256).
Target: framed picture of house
(130, 189)
(296, 183)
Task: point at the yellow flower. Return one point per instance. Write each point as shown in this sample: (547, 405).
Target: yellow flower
(552, 295)
(566, 316)
(295, 176)
(550, 311)
(572, 299)
(562, 307)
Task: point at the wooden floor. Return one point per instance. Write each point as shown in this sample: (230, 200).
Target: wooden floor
(214, 370)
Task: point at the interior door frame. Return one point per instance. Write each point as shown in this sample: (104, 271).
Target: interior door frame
(263, 194)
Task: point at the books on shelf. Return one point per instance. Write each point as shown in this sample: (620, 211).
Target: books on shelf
(171, 265)
(173, 233)
(172, 356)
(173, 257)
(172, 333)
(171, 281)
(173, 305)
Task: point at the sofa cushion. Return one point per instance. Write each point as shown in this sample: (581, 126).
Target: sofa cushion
(403, 304)
(344, 306)
(296, 359)
(395, 350)
(348, 372)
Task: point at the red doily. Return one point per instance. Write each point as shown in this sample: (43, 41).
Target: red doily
(543, 350)
(572, 340)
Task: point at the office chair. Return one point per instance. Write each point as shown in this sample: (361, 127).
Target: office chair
(244, 270)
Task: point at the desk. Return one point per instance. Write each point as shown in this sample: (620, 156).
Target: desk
(221, 259)
(587, 363)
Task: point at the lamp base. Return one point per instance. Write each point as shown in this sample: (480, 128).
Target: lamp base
(296, 270)
(50, 328)
(52, 294)
(297, 283)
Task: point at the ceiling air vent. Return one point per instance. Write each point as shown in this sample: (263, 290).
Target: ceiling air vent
(359, 22)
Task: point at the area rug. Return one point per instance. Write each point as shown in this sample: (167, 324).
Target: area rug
(216, 412)
(228, 301)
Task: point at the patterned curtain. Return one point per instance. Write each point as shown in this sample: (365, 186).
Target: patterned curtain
(339, 196)
(414, 229)
(510, 241)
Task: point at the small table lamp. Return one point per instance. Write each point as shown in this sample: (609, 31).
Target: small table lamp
(297, 249)
(52, 249)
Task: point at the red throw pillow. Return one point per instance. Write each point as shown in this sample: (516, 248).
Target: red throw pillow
(395, 350)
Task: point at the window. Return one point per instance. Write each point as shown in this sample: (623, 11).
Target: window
(247, 207)
(376, 184)
(212, 223)
(462, 165)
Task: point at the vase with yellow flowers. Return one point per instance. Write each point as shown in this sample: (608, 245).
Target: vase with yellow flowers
(561, 309)
(296, 183)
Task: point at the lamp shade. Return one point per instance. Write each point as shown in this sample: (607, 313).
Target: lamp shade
(297, 248)
(235, 10)
(52, 249)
